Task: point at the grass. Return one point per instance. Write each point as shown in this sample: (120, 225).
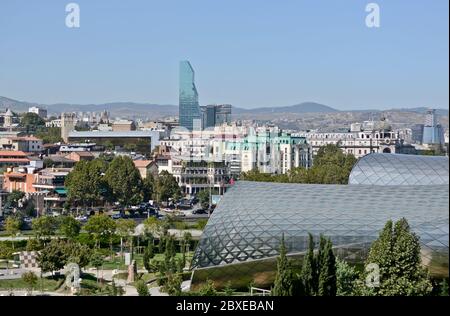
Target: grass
(47, 284)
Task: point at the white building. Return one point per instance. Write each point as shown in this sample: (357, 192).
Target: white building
(362, 139)
(39, 111)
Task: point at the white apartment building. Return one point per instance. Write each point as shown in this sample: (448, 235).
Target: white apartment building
(362, 139)
(39, 111)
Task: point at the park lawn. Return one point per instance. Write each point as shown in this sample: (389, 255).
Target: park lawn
(47, 284)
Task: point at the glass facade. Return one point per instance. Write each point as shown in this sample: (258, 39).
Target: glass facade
(396, 169)
(241, 240)
(189, 109)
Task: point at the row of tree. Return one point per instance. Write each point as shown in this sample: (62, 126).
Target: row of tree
(392, 268)
(331, 166)
(99, 181)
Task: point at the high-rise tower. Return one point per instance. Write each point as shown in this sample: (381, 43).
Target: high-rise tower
(189, 110)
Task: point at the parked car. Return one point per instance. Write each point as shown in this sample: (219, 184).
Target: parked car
(82, 218)
(200, 211)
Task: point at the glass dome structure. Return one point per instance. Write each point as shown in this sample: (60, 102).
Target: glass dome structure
(242, 237)
(397, 169)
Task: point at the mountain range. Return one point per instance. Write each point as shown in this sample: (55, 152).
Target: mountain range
(154, 111)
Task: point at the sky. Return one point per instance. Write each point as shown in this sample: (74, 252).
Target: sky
(249, 53)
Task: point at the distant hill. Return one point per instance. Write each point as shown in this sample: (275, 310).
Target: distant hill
(423, 110)
(133, 110)
(305, 107)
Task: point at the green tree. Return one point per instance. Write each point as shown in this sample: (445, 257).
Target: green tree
(397, 254)
(50, 135)
(44, 226)
(125, 229)
(148, 187)
(327, 270)
(309, 273)
(147, 257)
(13, 198)
(86, 184)
(31, 122)
(100, 226)
(69, 227)
(31, 280)
(228, 290)
(124, 181)
(167, 187)
(283, 280)
(52, 257)
(346, 277)
(173, 284)
(142, 288)
(76, 253)
(12, 227)
(6, 253)
(97, 261)
(443, 287)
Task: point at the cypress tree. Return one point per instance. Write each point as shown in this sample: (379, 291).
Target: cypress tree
(308, 274)
(327, 266)
(283, 279)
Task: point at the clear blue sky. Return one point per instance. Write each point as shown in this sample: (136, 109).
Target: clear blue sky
(248, 53)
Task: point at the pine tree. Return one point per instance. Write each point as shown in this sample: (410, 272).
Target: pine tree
(397, 254)
(308, 274)
(283, 279)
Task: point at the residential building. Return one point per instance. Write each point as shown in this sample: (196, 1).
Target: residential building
(29, 144)
(10, 158)
(146, 167)
(39, 111)
(78, 156)
(360, 140)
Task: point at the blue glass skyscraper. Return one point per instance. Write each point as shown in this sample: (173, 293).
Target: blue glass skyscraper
(189, 109)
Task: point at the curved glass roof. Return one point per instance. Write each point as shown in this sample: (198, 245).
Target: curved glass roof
(398, 169)
(251, 218)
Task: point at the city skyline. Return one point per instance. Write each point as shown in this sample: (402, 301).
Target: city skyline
(262, 55)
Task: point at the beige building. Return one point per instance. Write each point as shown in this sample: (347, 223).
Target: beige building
(123, 126)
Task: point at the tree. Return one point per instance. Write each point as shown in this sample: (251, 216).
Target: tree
(12, 228)
(5, 253)
(167, 187)
(346, 277)
(283, 280)
(228, 290)
(327, 270)
(69, 227)
(443, 287)
(154, 226)
(100, 226)
(147, 257)
(31, 122)
(97, 261)
(124, 181)
(124, 228)
(86, 184)
(148, 187)
(173, 284)
(142, 288)
(76, 253)
(397, 254)
(309, 273)
(44, 226)
(13, 198)
(50, 135)
(52, 257)
(31, 280)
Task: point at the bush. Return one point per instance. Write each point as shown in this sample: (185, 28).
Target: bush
(142, 288)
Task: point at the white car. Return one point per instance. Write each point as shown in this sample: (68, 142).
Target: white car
(82, 218)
